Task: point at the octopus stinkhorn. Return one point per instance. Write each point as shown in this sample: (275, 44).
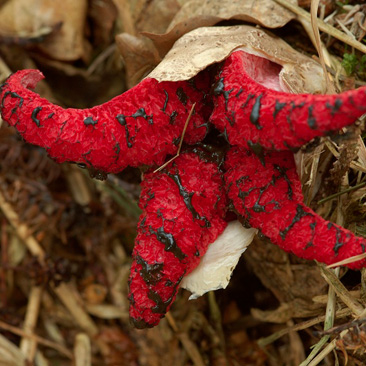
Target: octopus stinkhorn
(185, 205)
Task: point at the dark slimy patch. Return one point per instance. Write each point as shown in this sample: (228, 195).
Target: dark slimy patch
(88, 121)
(254, 115)
(311, 119)
(278, 107)
(249, 98)
(150, 273)
(140, 113)
(283, 175)
(310, 243)
(117, 149)
(161, 306)
(239, 92)
(300, 213)
(187, 198)
(182, 96)
(338, 244)
(141, 323)
(169, 242)
(34, 116)
(122, 121)
(172, 117)
(219, 89)
(166, 101)
(334, 108)
(258, 150)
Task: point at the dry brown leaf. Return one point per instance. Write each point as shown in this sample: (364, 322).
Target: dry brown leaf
(102, 15)
(157, 15)
(23, 18)
(205, 46)
(197, 13)
(139, 54)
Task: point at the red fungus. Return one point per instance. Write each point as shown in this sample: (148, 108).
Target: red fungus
(269, 198)
(184, 204)
(141, 126)
(183, 210)
(256, 117)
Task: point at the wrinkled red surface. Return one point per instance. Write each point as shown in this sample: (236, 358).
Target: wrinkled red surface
(253, 116)
(103, 142)
(269, 197)
(188, 216)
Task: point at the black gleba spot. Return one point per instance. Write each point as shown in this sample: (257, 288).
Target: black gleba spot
(88, 121)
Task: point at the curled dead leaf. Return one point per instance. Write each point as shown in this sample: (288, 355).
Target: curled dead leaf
(196, 13)
(202, 47)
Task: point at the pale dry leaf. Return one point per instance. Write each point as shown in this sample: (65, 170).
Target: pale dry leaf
(10, 355)
(25, 18)
(205, 46)
(197, 13)
(216, 266)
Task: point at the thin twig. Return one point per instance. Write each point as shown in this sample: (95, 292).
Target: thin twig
(341, 291)
(181, 141)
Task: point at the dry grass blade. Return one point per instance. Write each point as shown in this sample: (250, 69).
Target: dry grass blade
(342, 292)
(10, 355)
(348, 260)
(263, 342)
(82, 350)
(318, 42)
(27, 345)
(328, 323)
(21, 229)
(329, 348)
(324, 26)
(64, 351)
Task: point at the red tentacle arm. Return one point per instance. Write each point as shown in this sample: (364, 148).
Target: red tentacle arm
(141, 126)
(269, 198)
(260, 117)
(183, 209)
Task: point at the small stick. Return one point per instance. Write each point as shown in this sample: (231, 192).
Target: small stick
(181, 141)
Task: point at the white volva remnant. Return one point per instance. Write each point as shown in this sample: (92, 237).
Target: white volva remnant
(216, 266)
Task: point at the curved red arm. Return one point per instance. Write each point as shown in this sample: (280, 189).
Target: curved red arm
(269, 198)
(255, 117)
(141, 126)
(183, 212)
